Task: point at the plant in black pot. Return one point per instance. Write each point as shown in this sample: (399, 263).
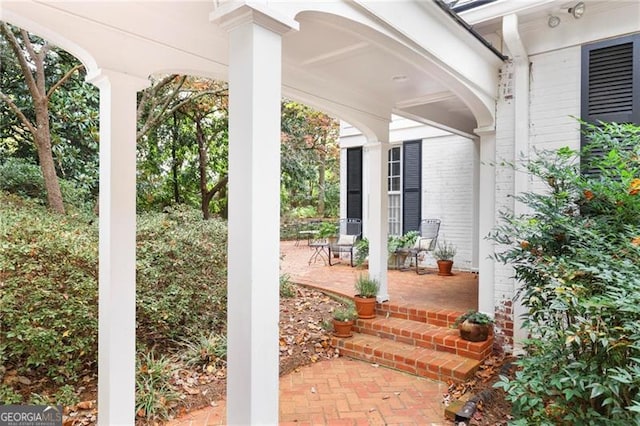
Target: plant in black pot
(343, 318)
(474, 326)
(365, 298)
(444, 254)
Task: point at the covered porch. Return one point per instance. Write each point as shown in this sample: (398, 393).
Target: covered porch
(456, 293)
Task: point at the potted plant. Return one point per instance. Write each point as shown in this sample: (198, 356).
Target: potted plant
(444, 254)
(399, 247)
(327, 230)
(474, 326)
(343, 318)
(365, 298)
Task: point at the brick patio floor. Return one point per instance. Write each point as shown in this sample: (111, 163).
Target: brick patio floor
(349, 392)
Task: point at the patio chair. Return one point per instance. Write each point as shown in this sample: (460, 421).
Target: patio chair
(427, 240)
(349, 232)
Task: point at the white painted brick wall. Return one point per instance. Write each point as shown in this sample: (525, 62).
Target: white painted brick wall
(447, 193)
(554, 101)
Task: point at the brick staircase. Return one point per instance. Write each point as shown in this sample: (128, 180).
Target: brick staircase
(417, 341)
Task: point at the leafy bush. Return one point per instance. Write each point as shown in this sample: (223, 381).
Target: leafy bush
(154, 394)
(287, 288)
(208, 352)
(48, 297)
(49, 292)
(181, 276)
(20, 177)
(577, 257)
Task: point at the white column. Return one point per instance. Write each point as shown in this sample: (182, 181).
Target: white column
(117, 256)
(378, 214)
(486, 222)
(255, 40)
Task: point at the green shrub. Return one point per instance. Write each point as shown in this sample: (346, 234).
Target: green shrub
(287, 288)
(20, 177)
(208, 352)
(181, 276)
(154, 394)
(577, 258)
(49, 298)
(49, 295)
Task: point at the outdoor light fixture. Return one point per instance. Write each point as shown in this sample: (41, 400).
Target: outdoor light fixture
(553, 21)
(578, 10)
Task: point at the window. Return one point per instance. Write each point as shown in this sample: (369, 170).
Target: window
(393, 187)
(404, 187)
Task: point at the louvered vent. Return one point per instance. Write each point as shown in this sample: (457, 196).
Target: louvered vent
(611, 80)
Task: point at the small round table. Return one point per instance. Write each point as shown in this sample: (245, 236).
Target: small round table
(320, 251)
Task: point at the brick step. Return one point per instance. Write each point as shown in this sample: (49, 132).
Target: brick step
(443, 339)
(443, 366)
(438, 317)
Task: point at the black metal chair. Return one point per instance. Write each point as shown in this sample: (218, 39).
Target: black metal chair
(349, 232)
(426, 242)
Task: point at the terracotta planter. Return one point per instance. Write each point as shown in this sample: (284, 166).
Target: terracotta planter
(342, 328)
(366, 306)
(444, 267)
(473, 332)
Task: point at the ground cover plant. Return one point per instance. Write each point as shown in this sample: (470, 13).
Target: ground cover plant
(576, 256)
(49, 294)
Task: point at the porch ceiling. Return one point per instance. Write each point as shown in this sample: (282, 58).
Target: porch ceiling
(351, 59)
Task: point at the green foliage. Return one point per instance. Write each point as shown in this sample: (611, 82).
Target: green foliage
(328, 229)
(366, 286)
(577, 257)
(8, 395)
(66, 396)
(445, 251)
(362, 251)
(48, 297)
(346, 312)
(181, 275)
(396, 242)
(287, 288)
(154, 394)
(20, 177)
(207, 352)
(475, 317)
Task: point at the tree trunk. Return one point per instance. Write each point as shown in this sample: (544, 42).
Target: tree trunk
(174, 161)
(321, 185)
(202, 168)
(45, 156)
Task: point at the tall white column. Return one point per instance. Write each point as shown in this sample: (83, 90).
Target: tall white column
(378, 214)
(255, 40)
(486, 223)
(117, 256)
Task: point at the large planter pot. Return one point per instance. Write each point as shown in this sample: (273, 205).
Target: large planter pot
(342, 328)
(366, 307)
(444, 267)
(473, 332)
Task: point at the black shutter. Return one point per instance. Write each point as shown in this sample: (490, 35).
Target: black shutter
(611, 83)
(411, 186)
(610, 80)
(354, 183)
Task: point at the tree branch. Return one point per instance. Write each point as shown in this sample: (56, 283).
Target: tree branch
(63, 79)
(19, 113)
(17, 50)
